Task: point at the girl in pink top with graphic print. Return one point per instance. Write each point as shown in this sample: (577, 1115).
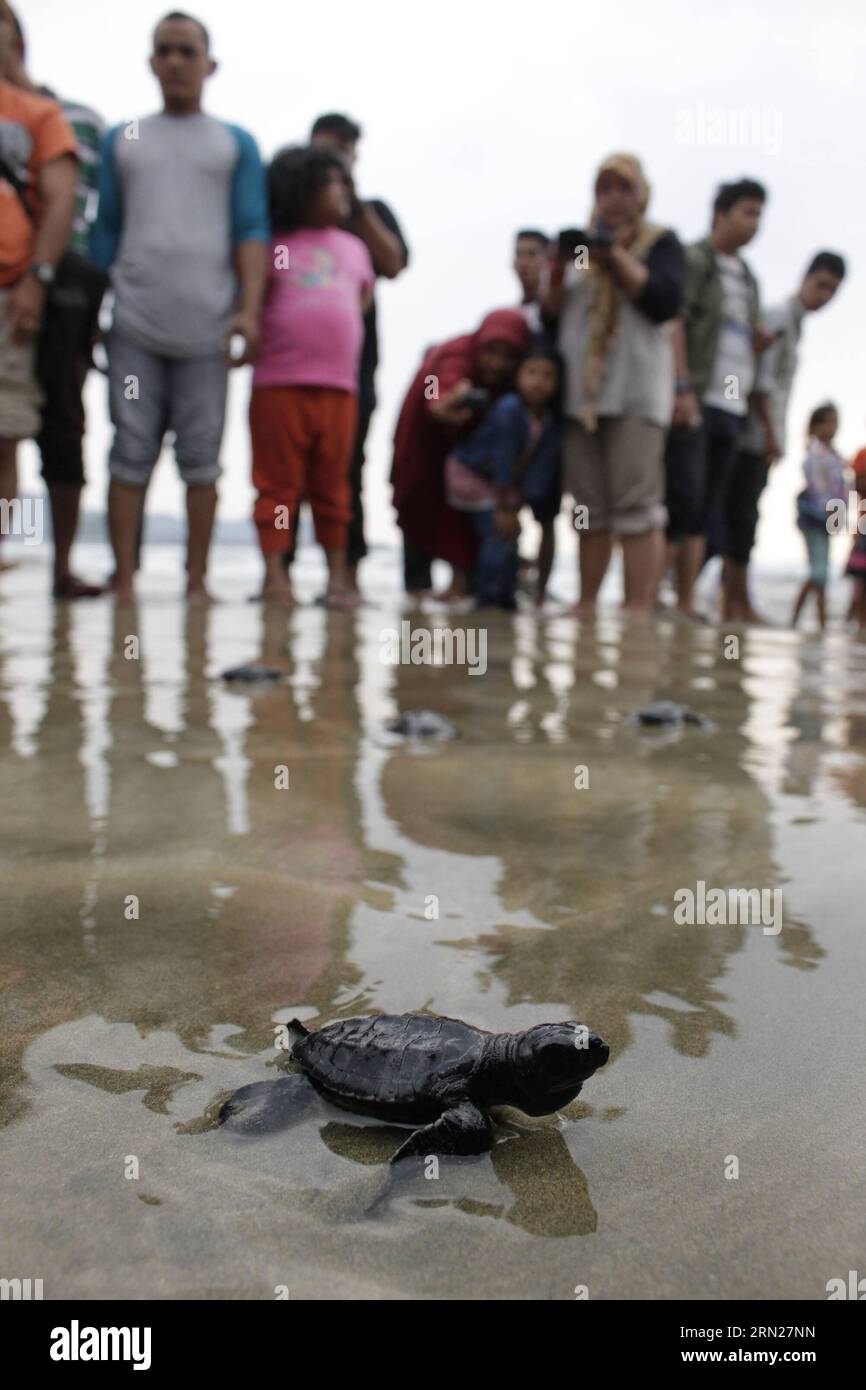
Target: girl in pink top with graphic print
(304, 406)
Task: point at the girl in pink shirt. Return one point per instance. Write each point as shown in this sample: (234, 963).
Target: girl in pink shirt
(303, 411)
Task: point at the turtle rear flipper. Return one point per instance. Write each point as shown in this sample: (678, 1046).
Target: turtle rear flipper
(462, 1130)
(268, 1106)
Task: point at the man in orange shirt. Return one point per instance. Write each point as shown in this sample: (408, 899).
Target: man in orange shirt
(38, 167)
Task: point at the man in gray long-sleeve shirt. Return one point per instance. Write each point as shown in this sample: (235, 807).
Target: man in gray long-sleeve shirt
(182, 227)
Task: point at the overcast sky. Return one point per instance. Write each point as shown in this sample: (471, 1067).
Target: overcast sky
(482, 116)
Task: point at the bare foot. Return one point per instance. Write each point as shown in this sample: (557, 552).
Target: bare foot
(745, 613)
(282, 594)
(9, 565)
(122, 593)
(197, 595)
(694, 615)
(345, 599)
(68, 586)
(584, 610)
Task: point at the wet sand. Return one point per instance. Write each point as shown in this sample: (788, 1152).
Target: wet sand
(147, 778)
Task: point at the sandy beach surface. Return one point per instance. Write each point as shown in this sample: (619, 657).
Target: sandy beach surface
(165, 906)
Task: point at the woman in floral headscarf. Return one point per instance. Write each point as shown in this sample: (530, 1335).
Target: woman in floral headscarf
(614, 293)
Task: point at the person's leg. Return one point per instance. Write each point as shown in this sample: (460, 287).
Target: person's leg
(746, 482)
(196, 405)
(634, 466)
(65, 502)
(802, 595)
(328, 486)
(63, 362)
(201, 503)
(137, 394)
(281, 444)
(818, 549)
(8, 478)
(689, 563)
(546, 553)
(642, 560)
(496, 567)
(356, 548)
(596, 548)
(722, 432)
(125, 507)
(417, 570)
(685, 485)
(60, 442)
(585, 480)
(820, 558)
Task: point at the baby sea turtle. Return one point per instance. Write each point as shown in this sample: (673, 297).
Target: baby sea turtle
(437, 1074)
(250, 674)
(422, 723)
(667, 712)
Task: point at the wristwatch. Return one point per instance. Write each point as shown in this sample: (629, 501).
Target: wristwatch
(44, 272)
(682, 386)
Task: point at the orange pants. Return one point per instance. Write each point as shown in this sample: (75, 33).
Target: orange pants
(302, 448)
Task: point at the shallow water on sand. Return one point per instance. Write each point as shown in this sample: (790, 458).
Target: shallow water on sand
(120, 1035)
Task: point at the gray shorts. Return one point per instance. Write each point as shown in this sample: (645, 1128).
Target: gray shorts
(20, 396)
(149, 395)
(617, 473)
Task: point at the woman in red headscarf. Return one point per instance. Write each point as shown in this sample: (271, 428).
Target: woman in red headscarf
(433, 416)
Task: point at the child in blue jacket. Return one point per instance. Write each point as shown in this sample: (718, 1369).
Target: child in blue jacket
(516, 450)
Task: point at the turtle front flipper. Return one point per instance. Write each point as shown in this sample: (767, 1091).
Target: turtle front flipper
(462, 1130)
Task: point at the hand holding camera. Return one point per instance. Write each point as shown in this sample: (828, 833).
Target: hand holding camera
(569, 241)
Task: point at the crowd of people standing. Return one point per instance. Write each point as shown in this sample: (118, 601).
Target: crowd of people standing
(641, 378)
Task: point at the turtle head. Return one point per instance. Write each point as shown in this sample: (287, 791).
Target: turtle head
(549, 1064)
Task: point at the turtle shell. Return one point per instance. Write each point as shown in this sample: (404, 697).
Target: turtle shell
(422, 723)
(405, 1067)
(668, 712)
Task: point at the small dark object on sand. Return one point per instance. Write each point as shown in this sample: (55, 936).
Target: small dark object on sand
(666, 712)
(422, 723)
(437, 1074)
(250, 674)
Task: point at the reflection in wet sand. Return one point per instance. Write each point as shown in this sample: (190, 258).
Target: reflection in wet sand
(169, 899)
